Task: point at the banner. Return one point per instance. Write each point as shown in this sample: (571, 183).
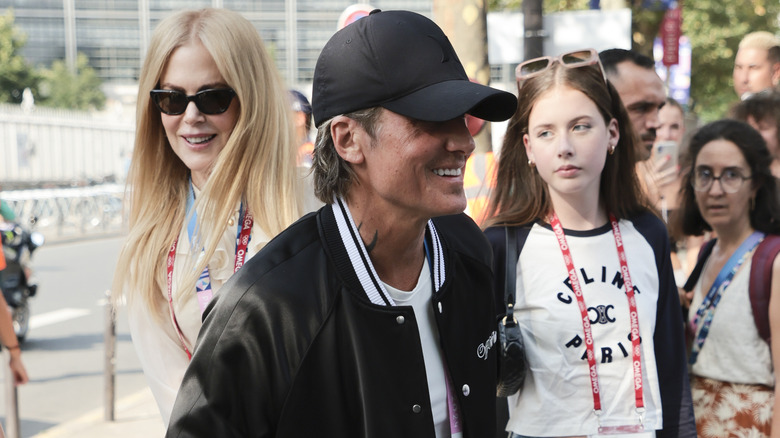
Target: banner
(670, 36)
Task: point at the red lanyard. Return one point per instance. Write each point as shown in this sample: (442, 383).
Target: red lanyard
(634, 314)
(241, 245)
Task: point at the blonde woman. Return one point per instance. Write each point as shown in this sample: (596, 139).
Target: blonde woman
(212, 180)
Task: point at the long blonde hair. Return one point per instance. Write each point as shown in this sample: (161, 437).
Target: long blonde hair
(257, 165)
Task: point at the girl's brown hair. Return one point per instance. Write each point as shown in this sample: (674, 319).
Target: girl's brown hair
(521, 195)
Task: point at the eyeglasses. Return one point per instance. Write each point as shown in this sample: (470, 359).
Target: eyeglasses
(213, 101)
(730, 179)
(576, 59)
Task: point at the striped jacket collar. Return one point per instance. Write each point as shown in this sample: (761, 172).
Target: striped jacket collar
(361, 263)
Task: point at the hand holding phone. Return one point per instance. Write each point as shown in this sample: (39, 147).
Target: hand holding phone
(667, 150)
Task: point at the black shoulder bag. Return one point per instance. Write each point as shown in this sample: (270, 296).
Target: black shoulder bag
(512, 365)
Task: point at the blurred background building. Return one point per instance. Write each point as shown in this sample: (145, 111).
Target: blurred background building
(48, 147)
(43, 146)
(114, 34)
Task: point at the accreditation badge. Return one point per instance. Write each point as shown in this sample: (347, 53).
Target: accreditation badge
(627, 431)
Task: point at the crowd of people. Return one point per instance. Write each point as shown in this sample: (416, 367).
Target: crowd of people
(373, 311)
(566, 179)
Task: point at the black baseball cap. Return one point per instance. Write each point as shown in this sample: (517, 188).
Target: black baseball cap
(401, 61)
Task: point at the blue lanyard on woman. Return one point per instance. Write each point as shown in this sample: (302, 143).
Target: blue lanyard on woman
(711, 300)
(203, 285)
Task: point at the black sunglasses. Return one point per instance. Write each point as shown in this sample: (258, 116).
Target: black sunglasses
(213, 101)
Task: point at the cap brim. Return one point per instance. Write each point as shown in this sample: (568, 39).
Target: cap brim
(450, 99)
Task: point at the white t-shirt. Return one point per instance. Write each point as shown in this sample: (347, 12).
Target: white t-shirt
(733, 350)
(420, 300)
(557, 398)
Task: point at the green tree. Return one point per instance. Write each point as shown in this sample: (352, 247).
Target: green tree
(714, 27)
(62, 89)
(16, 73)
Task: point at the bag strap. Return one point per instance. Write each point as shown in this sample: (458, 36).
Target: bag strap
(510, 273)
(705, 252)
(761, 283)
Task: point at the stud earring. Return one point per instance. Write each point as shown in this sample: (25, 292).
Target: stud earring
(531, 163)
(612, 149)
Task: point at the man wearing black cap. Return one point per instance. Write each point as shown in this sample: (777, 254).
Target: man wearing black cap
(372, 317)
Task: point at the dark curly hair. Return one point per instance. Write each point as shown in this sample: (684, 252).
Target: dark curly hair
(765, 216)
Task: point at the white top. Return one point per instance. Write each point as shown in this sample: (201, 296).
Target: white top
(420, 300)
(733, 351)
(158, 347)
(556, 399)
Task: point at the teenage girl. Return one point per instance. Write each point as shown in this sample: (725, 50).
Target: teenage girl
(596, 299)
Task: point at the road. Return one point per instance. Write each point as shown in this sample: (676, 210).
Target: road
(64, 352)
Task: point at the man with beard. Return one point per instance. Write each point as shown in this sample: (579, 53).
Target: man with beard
(641, 90)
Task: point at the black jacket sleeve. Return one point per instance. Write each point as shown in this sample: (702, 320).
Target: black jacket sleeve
(243, 364)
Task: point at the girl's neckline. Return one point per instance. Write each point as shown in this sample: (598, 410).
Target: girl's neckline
(597, 231)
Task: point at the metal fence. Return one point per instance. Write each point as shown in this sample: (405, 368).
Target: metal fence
(69, 213)
(60, 147)
(54, 165)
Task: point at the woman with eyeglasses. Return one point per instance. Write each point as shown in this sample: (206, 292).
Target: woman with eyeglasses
(734, 335)
(595, 294)
(212, 180)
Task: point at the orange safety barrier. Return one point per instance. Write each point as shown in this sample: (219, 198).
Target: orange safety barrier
(305, 152)
(478, 180)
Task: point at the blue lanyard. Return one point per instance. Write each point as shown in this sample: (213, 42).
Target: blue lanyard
(712, 299)
(193, 223)
(204, 281)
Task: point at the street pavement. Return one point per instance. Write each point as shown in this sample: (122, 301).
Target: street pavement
(135, 411)
(135, 416)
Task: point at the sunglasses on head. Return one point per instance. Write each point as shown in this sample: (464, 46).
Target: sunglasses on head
(213, 101)
(575, 59)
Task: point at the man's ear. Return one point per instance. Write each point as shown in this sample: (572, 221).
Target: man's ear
(349, 138)
(775, 73)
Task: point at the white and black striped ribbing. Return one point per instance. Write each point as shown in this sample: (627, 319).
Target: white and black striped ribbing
(361, 263)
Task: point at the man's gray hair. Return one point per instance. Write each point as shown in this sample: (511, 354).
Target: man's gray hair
(332, 175)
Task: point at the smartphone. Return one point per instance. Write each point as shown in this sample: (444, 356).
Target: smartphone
(667, 148)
